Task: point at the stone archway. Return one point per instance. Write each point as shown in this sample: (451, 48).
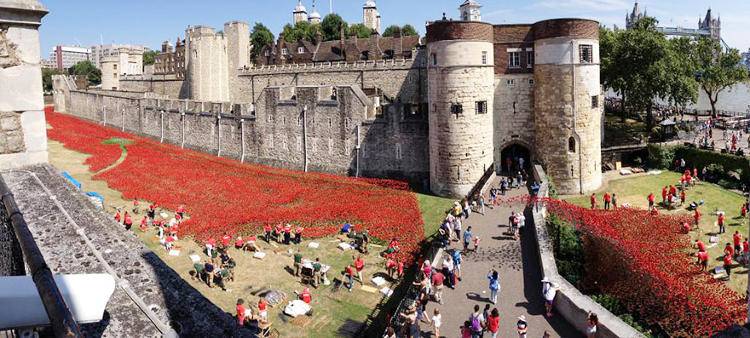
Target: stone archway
(515, 156)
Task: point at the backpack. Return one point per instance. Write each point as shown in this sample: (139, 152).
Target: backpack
(476, 324)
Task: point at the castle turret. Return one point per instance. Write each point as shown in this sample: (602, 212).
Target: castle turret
(568, 103)
(460, 79)
(371, 16)
(207, 64)
(470, 11)
(110, 73)
(314, 17)
(300, 12)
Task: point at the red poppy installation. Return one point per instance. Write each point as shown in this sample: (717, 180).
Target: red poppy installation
(223, 195)
(646, 262)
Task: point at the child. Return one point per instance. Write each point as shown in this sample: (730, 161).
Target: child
(476, 243)
(437, 320)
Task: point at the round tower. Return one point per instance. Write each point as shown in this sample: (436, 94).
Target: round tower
(300, 12)
(207, 64)
(460, 86)
(568, 103)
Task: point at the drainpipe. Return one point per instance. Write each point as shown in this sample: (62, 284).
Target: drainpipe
(104, 116)
(304, 136)
(122, 112)
(182, 129)
(575, 115)
(218, 134)
(161, 114)
(242, 140)
(356, 173)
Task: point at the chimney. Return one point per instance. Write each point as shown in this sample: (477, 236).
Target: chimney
(342, 41)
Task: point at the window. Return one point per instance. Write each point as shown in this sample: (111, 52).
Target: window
(514, 59)
(529, 59)
(300, 50)
(484, 57)
(510, 82)
(531, 82)
(398, 151)
(595, 101)
(433, 56)
(571, 144)
(115, 66)
(330, 123)
(481, 107)
(457, 108)
(586, 53)
(365, 55)
(389, 54)
(284, 51)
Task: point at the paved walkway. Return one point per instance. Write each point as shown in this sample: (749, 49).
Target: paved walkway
(520, 280)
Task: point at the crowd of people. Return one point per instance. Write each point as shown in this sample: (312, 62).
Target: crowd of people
(731, 138)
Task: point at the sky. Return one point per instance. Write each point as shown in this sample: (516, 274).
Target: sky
(149, 22)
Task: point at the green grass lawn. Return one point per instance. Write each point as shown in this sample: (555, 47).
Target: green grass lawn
(433, 211)
(634, 191)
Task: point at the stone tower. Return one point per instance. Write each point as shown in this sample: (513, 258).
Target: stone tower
(300, 12)
(238, 45)
(23, 132)
(314, 15)
(711, 24)
(568, 103)
(370, 15)
(470, 11)
(634, 16)
(460, 79)
(110, 73)
(207, 64)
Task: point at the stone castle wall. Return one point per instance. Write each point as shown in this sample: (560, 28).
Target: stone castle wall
(164, 85)
(461, 74)
(514, 112)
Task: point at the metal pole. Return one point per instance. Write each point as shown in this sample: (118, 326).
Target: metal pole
(122, 112)
(356, 173)
(161, 114)
(242, 140)
(304, 135)
(218, 134)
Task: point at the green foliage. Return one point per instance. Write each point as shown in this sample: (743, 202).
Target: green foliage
(47, 77)
(149, 57)
(718, 69)
(395, 30)
(641, 65)
(613, 305)
(302, 30)
(331, 27)
(260, 37)
(661, 157)
(86, 68)
(568, 249)
(359, 30)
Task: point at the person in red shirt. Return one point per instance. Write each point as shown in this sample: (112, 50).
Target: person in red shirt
(305, 296)
(239, 243)
(697, 217)
(737, 239)
(720, 221)
(390, 267)
(128, 221)
(400, 269)
(242, 316)
(651, 199)
(136, 207)
(118, 218)
(683, 197)
(729, 250)
(664, 195)
(685, 227)
(298, 234)
(181, 210)
(728, 264)
(262, 312)
(225, 240)
(607, 200)
(745, 247)
(267, 229)
(672, 190)
(279, 232)
(144, 224)
(359, 264)
(654, 211)
(703, 260)
(593, 201)
(743, 210)
(493, 322)
(437, 284)
(699, 244)
(349, 274)
(287, 234)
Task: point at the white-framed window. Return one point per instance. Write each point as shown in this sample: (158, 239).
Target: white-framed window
(514, 59)
(284, 51)
(484, 57)
(586, 53)
(510, 82)
(300, 50)
(529, 59)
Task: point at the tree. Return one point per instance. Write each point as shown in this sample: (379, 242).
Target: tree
(47, 77)
(682, 87)
(86, 68)
(259, 38)
(331, 27)
(395, 31)
(359, 30)
(717, 69)
(149, 57)
(302, 30)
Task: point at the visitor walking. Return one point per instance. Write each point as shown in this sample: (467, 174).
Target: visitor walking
(476, 322)
(522, 327)
(493, 322)
(614, 201)
(549, 290)
(607, 200)
(467, 238)
(591, 325)
(494, 285)
(593, 201)
(437, 321)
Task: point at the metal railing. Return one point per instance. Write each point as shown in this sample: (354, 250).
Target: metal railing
(61, 319)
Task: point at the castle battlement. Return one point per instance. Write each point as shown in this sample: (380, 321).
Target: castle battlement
(335, 66)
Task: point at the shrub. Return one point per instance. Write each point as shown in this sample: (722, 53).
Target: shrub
(568, 249)
(660, 157)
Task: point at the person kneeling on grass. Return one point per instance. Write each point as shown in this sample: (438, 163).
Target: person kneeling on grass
(305, 295)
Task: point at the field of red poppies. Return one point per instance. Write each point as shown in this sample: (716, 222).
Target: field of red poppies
(223, 195)
(647, 263)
